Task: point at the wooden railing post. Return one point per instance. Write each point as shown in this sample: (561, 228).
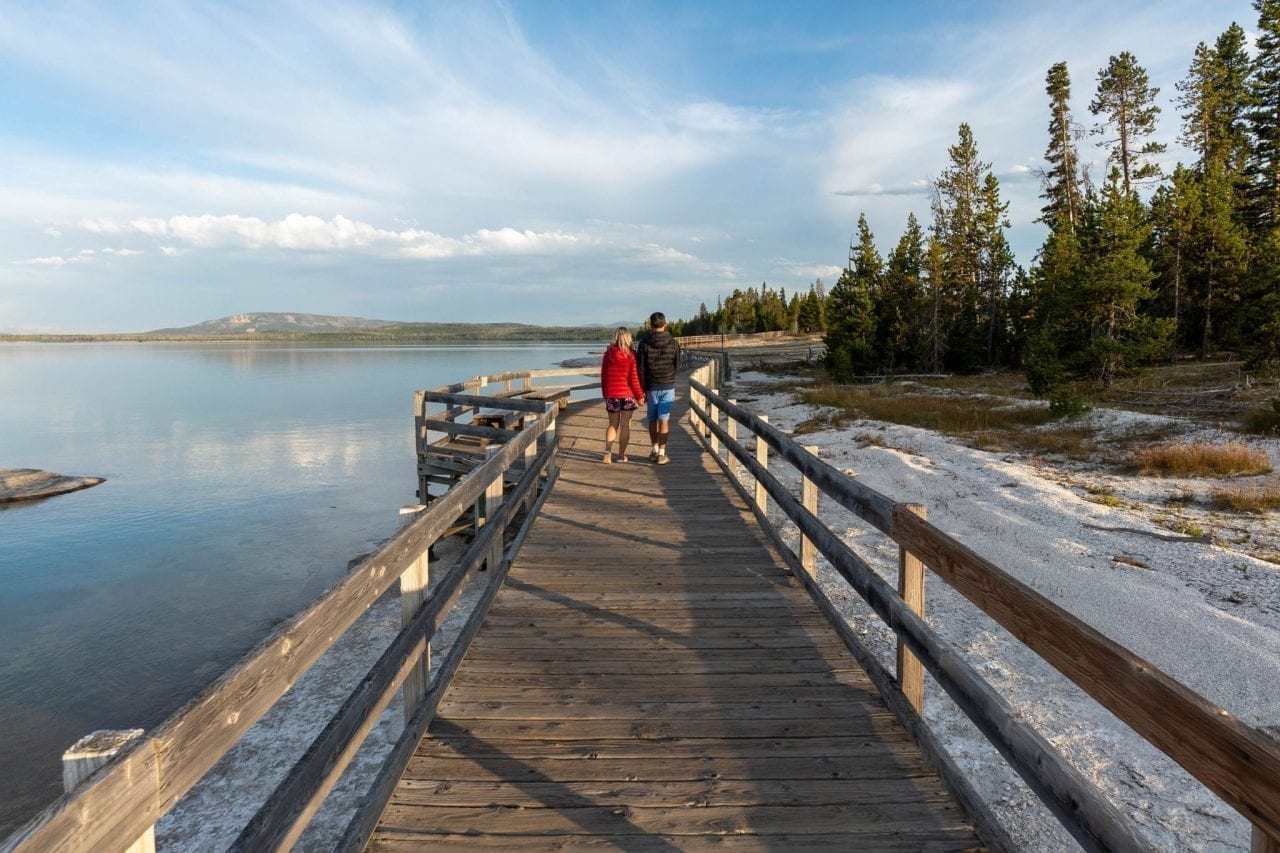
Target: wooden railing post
(547, 438)
(911, 588)
(91, 752)
(413, 591)
(530, 454)
(762, 456)
(714, 413)
(487, 504)
(809, 500)
(1262, 841)
(731, 427)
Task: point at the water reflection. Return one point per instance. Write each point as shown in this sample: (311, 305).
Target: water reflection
(241, 480)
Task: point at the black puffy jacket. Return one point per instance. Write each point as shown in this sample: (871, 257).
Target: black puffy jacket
(658, 361)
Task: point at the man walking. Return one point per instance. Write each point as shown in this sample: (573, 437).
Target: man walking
(658, 360)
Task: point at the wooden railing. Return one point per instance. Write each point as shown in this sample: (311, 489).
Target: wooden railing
(519, 395)
(122, 800)
(1239, 763)
(739, 339)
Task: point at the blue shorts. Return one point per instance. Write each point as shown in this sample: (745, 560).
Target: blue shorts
(660, 403)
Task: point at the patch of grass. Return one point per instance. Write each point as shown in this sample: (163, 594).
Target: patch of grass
(1185, 527)
(950, 415)
(1073, 442)
(1199, 459)
(1257, 499)
(1104, 495)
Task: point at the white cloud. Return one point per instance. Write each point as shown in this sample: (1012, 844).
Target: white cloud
(48, 261)
(298, 232)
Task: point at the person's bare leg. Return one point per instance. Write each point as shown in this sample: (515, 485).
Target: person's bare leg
(663, 428)
(610, 435)
(624, 432)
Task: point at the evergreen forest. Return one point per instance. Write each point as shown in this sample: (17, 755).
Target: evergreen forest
(1138, 266)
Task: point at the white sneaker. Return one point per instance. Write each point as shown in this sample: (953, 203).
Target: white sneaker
(663, 459)
(653, 457)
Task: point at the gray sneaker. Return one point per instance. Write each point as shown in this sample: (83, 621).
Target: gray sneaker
(653, 457)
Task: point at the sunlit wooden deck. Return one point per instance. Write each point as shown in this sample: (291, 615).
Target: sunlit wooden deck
(651, 677)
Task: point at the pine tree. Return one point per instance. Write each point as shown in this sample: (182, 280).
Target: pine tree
(995, 262)
(1061, 181)
(1175, 210)
(851, 323)
(1213, 100)
(1115, 279)
(1126, 99)
(1264, 122)
(935, 265)
(969, 221)
(901, 305)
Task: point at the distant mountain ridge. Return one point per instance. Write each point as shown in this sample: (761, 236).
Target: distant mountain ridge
(265, 321)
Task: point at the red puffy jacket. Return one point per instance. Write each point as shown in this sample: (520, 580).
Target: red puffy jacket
(618, 376)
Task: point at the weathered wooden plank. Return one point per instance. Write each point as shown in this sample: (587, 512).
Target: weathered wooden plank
(747, 708)
(882, 749)
(844, 819)
(657, 679)
(660, 729)
(887, 842)
(711, 793)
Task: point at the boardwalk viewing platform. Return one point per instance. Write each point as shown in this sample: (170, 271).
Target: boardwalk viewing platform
(645, 664)
(651, 677)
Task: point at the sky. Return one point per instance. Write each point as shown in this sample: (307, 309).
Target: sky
(543, 162)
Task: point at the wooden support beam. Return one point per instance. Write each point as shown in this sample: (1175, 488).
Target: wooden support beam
(762, 456)
(413, 591)
(911, 588)
(91, 752)
(809, 500)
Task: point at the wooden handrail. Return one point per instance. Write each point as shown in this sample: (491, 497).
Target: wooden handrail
(866, 503)
(365, 818)
(1090, 818)
(1234, 760)
(147, 779)
(281, 819)
(1239, 763)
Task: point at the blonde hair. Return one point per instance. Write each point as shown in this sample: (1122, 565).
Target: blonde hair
(622, 337)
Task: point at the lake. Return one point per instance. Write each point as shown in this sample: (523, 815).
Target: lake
(241, 480)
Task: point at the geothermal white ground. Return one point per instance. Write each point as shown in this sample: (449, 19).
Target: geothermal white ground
(1207, 614)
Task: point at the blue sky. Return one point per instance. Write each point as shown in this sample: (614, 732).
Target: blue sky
(543, 162)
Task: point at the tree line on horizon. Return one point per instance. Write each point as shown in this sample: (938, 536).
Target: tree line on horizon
(1119, 282)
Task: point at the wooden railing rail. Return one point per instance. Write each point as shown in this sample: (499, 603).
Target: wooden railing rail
(144, 781)
(1091, 819)
(283, 816)
(1239, 763)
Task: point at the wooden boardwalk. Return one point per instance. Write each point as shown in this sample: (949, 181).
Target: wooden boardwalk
(651, 677)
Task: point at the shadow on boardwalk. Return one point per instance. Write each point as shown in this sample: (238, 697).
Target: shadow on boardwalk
(650, 677)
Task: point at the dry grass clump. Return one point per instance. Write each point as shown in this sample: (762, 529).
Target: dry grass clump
(1199, 459)
(1257, 499)
(950, 415)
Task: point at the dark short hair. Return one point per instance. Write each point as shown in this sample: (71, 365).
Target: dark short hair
(657, 320)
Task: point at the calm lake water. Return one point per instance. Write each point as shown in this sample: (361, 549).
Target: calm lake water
(241, 479)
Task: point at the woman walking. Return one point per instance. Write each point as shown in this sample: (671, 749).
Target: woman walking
(620, 385)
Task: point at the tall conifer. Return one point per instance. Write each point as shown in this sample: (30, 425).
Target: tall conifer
(1061, 181)
(1126, 100)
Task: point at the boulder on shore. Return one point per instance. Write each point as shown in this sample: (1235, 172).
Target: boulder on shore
(26, 484)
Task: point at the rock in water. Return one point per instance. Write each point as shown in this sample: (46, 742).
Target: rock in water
(25, 484)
